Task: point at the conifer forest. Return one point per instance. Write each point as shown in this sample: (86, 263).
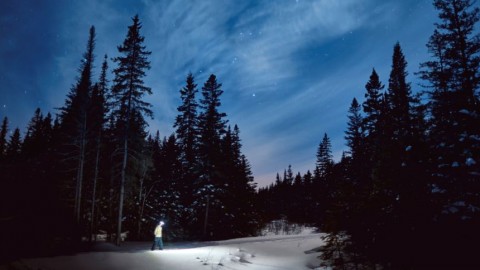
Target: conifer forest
(404, 195)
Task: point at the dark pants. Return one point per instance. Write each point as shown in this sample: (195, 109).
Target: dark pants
(157, 243)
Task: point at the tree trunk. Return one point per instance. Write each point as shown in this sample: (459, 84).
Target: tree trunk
(95, 177)
(81, 162)
(122, 192)
(141, 201)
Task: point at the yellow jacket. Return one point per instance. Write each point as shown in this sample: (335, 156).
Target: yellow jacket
(158, 231)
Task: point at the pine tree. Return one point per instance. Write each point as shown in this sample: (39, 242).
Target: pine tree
(309, 197)
(151, 188)
(128, 90)
(324, 158)
(74, 122)
(169, 186)
(361, 178)
(354, 134)
(453, 77)
(372, 106)
(187, 135)
(37, 147)
(35, 139)
(212, 127)
(97, 112)
(48, 132)
(358, 171)
(399, 96)
(288, 176)
(322, 175)
(394, 183)
(111, 162)
(187, 121)
(240, 217)
(211, 124)
(14, 146)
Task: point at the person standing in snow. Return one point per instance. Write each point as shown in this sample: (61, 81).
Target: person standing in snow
(158, 242)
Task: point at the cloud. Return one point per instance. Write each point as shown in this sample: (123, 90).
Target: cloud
(289, 68)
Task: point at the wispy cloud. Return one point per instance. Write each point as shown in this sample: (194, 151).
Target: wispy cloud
(289, 68)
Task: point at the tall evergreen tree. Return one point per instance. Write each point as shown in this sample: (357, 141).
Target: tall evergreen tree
(324, 158)
(393, 179)
(288, 176)
(322, 175)
(97, 112)
(240, 217)
(151, 188)
(36, 139)
(14, 146)
(37, 148)
(399, 95)
(187, 121)
(212, 127)
(354, 134)
(365, 179)
(454, 81)
(74, 121)
(187, 135)
(372, 106)
(357, 179)
(169, 186)
(128, 90)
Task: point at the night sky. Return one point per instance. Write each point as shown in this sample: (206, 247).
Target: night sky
(289, 68)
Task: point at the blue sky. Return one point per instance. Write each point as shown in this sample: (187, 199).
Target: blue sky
(289, 68)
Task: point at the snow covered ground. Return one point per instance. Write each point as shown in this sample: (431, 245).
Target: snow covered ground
(254, 253)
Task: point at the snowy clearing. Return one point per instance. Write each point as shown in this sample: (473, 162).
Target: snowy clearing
(253, 253)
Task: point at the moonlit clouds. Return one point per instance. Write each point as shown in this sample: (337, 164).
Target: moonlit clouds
(289, 68)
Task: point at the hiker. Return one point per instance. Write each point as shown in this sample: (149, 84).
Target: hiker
(158, 237)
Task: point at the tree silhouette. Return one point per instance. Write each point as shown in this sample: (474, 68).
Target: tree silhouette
(128, 90)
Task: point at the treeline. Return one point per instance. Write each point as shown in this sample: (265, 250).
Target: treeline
(94, 169)
(406, 194)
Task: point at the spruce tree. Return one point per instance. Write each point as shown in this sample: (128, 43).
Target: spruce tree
(324, 158)
(168, 167)
(14, 146)
(128, 91)
(358, 170)
(211, 124)
(399, 96)
(372, 106)
(37, 147)
(212, 127)
(366, 175)
(240, 217)
(74, 123)
(322, 173)
(187, 121)
(354, 134)
(151, 188)
(187, 135)
(35, 141)
(394, 181)
(97, 112)
(453, 76)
